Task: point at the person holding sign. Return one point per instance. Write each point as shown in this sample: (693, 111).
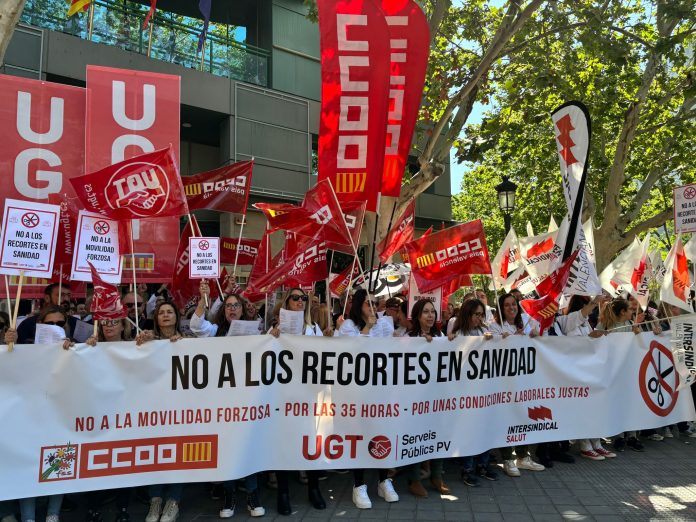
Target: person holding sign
(363, 322)
(423, 319)
(296, 300)
(232, 310)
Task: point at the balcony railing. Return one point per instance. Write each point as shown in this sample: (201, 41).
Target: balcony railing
(171, 38)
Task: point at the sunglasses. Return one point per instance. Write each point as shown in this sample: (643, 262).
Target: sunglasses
(55, 323)
(296, 298)
(110, 322)
(232, 306)
(131, 305)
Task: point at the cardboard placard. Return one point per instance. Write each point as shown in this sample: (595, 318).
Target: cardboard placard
(29, 235)
(204, 257)
(97, 243)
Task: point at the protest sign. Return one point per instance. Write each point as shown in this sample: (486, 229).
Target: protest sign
(29, 234)
(97, 243)
(684, 209)
(204, 257)
(414, 295)
(196, 410)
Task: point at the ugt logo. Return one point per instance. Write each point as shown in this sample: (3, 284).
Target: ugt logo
(143, 192)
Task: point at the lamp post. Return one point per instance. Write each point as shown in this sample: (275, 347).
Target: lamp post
(506, 200)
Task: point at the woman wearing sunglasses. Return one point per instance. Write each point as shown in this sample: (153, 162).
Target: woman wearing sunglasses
(111, 330)
(296, 300)
(232, 309)
(363, 322)
(52, 315)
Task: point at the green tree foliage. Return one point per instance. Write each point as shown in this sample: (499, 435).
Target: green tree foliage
(632, 64)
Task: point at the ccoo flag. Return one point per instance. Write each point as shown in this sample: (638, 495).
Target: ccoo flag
(225, 189)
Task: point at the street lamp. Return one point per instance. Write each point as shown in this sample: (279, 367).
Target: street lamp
(506, 200)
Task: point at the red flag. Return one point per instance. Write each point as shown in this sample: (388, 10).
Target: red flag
(353, 214)
(341, 281)
(66, 232)
(319, 216)
(544, 310)
(248, 250)
(185, 291)
(141, 187)
(400, 234)
(355, 59)
(225, 189)
(106, 300)
(454, 285)
(77, 6)
(445, 255)
(302, 263)
(150, 13)
(409, 37)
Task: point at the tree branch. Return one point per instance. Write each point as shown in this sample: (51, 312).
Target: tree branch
(440, 9)
(632, 36)
(555, 30)
(10, 11)
(656, 221)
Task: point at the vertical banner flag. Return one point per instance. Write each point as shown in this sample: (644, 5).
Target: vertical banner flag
(401, 233)
(684, 209)
(67, 231)
(96, 248)
(355, 59)
(572, 128)
(445, 255)
(676, 285)
(409, 42)
(130, 113)
(29, 236)
(204, 257)
(225, 189)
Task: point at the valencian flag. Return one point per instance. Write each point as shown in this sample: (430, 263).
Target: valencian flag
(225, 189)
(676, 285)
(106, 300)
(409, 37)
(445, 255)
(544, 310)
(400, 234)
(319, 215)
(78, 5)
(144, 186)
(355, 60)
(248, 250)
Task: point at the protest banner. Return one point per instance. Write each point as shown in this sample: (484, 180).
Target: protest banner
(96, 243)
(29, 235)
(204, 257)
(684, 209)
(192, 411)
(434, 296)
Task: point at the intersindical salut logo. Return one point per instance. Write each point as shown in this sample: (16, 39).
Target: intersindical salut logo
(123, 457)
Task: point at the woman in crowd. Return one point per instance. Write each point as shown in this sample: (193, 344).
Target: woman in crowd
(51, 315)
(575, 323)
(166, 325)
(470, 322)
(296, 300)
(616, 317)
(362, 321)
(232, 309)
(423, 319)
(511, 324)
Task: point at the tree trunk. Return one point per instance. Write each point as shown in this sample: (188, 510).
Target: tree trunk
(10, 11)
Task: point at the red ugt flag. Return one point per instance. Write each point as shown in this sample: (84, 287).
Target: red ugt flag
(145, 186)
(400, 234)
(225, 189)
(106, 300)
(440, 257)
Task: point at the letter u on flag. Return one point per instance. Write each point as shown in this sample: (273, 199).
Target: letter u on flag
(145, 186)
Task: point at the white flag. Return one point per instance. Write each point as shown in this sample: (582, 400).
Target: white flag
(676, 286)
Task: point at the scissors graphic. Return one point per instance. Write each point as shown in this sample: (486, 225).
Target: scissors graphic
(655, 386)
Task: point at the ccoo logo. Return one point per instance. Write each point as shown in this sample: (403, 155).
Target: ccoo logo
(144, 192)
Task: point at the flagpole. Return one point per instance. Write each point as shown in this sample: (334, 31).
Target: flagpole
(372, 253)
(10, 346)
(196, 231)
(135, 285)
(265, 294)
(60, 284)
(202, 54)
(239, 244)
(350, 285)
(391, 220)
(9, 301)
(328, 291)
(497, 301)
(90, 22)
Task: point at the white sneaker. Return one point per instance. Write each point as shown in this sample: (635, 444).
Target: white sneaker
(8, 518)
(656, 437)
(668, 433)
(385, 490)
(692, 434)
(510, 468)
(360, 498)
(170, 512)
(52, 518)
(155, 510)
(528, 463)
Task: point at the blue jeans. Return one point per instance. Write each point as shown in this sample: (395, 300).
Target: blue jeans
(7, 508)
(27, 506)
(250, 483)
(173, 490)
(483, 460)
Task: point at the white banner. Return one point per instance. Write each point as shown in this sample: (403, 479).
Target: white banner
(684, 209)
(29, 235)
(97, 243)
(209, 410)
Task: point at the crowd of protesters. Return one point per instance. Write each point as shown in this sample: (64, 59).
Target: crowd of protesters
(359, 314)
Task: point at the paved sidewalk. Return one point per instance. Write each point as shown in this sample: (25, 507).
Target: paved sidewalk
(659, 484)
